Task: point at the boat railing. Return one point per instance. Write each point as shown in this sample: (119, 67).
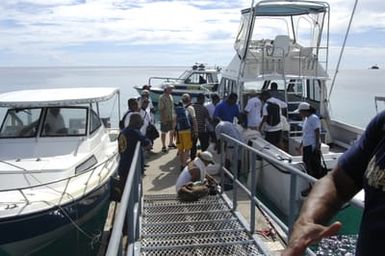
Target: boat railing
(129, 210)
(254, 155)
(89, 171)
(164, 79)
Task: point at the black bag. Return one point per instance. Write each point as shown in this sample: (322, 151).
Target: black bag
(273, 114)
(151, 132)
(121, 122)
(192, 192)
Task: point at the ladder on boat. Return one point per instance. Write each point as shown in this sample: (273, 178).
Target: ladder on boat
(205, 227)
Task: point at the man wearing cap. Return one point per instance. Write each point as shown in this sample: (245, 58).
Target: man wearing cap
(311, 143)
(166, 113)
(145, 94)
(194, 173)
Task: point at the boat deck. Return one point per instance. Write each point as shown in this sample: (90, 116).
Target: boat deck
(208, 226)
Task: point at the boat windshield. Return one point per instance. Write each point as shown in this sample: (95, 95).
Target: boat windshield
(47, 122)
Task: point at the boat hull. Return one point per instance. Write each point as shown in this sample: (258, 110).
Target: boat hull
(52, 232)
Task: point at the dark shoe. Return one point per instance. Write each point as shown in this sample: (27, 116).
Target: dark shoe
(172, 146)
(164, 149)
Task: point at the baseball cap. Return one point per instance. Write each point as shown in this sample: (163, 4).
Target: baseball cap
(303, 106)
(206, 156)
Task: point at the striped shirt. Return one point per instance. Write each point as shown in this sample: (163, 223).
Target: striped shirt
(202, 116)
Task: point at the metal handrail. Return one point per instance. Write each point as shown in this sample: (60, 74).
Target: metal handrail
(129, 210)
(294, 172)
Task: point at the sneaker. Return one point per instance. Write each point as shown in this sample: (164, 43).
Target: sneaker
(164, 149)
(172, 146)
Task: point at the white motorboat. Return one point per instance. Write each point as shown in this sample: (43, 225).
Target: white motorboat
(195, 80)
(286, 42)
(56, 160)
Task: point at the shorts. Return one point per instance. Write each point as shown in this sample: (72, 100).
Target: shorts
(184, 140)
(166, 126)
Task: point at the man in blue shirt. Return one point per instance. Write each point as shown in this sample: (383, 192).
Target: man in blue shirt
(228, 109)
(360, 167)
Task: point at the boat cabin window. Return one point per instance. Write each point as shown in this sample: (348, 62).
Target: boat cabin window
(314, 90)
(226, 87)
(95, 122)
(65, 122)
(197, 78)
(20, 123)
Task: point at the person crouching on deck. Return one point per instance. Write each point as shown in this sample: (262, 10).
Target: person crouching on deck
(191, 183)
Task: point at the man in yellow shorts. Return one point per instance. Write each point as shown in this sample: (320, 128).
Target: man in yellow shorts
(186, 128)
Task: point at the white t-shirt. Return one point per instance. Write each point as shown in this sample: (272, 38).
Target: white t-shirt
(310, 124)
(281, 105)
(253, 109)
(185, 175)
(146, 116)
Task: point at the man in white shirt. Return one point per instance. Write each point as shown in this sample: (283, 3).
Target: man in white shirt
(271, 123)
(253, 111)
(311, 142)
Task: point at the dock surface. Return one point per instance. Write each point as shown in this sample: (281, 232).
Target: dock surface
(159, 180)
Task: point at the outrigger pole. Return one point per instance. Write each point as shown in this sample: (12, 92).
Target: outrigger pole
(343, 47)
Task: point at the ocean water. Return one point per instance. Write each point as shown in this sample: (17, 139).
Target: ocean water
(352, 99)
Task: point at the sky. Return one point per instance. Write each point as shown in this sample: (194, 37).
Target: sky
(160, 33)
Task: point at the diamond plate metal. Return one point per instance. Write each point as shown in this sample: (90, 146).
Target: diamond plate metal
(215, 250)
(204, 227)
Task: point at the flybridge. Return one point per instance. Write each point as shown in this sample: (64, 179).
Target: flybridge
(285, 8)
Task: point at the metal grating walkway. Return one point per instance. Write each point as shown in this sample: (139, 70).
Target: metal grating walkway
(205, 227)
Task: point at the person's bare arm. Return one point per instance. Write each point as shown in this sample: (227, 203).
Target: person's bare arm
(325, 199)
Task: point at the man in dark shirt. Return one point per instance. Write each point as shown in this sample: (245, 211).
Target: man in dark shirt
(127, 141)
(361, 167)
(203, 119)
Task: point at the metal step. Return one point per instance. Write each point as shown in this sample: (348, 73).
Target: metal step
(204, 227)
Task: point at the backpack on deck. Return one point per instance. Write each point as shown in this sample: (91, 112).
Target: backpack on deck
(182, 118)
(273, 114)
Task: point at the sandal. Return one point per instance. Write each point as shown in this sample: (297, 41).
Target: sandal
(172, 146)
(164, 149)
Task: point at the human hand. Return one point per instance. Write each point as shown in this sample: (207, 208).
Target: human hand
(306, 234)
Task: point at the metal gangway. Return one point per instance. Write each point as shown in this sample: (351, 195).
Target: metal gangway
(160, 224)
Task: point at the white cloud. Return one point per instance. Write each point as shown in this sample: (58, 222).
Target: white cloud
(54, 29)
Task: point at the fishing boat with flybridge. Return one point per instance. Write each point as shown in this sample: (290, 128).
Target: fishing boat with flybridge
(285, 42)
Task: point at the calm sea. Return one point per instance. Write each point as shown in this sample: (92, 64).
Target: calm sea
(352, 99)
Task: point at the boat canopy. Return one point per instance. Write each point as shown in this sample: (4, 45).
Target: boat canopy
(285, 8)
(56, 97)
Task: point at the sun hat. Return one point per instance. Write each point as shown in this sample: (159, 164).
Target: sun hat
(206, 156)
(303, 106)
